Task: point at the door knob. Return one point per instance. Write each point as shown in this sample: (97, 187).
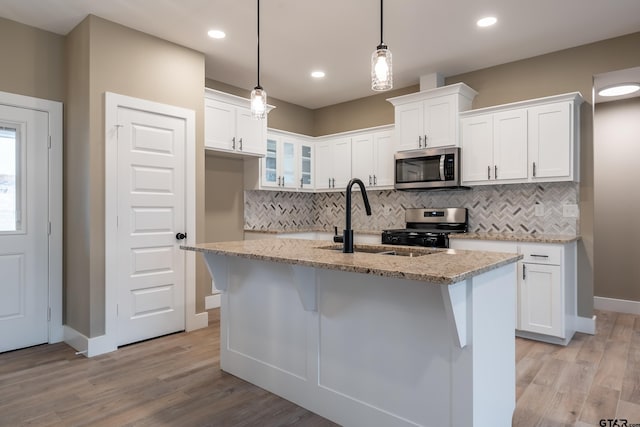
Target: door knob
(181, 236)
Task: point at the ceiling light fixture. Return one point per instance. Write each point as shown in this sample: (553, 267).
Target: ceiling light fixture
(216, 34)
(381, 71)
(487, 21)
(258, 94)
(317, 74)
(619, 89)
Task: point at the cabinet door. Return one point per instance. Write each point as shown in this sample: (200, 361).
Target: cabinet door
(270, 172)
(384, 173)
(540, 299)
(409, 126)
(510, 145)
(324, 167)
(288, 163)
(250, 133)
(305, 166)
(219, 125)
(362, 158)
(477, 149)
(550, 141)
(439, 120)
(341, 155)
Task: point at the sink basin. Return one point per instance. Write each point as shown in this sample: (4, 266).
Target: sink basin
(383, 250)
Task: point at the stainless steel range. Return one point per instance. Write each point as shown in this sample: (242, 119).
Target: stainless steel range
(428, 227)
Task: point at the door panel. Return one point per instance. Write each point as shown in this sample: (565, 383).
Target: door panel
(24, 208)
(151, 211)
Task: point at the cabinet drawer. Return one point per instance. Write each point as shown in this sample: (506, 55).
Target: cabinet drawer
(541, 254)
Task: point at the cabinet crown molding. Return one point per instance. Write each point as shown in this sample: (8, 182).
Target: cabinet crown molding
(454, 89)
(238, 101)
(574, 97)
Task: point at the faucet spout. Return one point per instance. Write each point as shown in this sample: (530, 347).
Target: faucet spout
(348, 232)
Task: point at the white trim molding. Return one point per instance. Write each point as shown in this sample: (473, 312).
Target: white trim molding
(212, 301)
(193, 320)
(618, 305)
(54, 111)
(586, 325)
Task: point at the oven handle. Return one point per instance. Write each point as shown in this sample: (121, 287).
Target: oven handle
(442, 167)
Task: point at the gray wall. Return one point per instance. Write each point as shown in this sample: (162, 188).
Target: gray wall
(617, 199)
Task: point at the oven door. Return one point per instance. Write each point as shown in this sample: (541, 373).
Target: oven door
(428, 168)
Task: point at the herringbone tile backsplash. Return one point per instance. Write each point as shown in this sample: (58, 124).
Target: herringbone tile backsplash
(496, 208)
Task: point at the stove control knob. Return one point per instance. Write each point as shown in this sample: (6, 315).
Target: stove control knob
(394, 239)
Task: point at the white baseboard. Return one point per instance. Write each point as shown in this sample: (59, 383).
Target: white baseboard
(586, 325)
(618, 305)
(88, 347)
(198, 321)
(212, 301)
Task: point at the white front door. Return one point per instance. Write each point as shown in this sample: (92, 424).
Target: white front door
(24, 268)
(151, 212)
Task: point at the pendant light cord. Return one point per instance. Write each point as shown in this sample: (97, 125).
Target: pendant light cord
(381, 14)
(258, 43)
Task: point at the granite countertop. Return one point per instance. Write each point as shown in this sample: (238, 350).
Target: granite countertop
(518, 237)
(437, 266)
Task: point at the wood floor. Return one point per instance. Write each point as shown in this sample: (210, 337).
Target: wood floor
(176, 381)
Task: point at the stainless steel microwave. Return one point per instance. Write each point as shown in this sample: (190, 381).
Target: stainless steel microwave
(428, 168)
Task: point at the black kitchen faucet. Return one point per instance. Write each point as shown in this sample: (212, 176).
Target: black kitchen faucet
(347, 237)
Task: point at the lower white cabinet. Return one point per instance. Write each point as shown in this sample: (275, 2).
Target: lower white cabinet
(546, 289)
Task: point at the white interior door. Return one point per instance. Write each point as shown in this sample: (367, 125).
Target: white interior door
(24, 285)
(151, 212)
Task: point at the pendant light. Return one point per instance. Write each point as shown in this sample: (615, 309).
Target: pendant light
(258, 94)
(381, 73)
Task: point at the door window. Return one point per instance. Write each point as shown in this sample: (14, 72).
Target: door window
(10, 182)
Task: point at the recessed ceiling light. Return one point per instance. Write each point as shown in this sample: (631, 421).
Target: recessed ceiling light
(619, 89)
(216, 34)
(487, 21)
(317, 74)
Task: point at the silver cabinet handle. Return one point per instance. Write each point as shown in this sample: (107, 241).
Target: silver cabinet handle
(496, 172)
(279, 180)
(370, 180)
(240, 148)
(301, 182)
(375, 180)
(329, 182)
(488, 172)
(333, 183)
(425, 140)
(233, 143)
(540, 256)
(420, 141)
(524, 271)
(534, 169)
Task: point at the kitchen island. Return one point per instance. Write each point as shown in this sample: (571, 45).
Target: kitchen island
(423, 337)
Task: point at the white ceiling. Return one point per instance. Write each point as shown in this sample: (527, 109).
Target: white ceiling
(338, 36)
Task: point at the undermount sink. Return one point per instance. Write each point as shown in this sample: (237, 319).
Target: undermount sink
(377, 250)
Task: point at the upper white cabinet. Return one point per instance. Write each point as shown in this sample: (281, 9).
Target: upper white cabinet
(333, 163)
(372, 159)
(429, 118)
(229, 127)
(529, 141)
(494, 147)
(288, 163)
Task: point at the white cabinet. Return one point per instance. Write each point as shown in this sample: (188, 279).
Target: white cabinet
(494, 147)
(229, 127)
(551, 148)
(288, 163)
(372, 159)
(333, 163)
(546, 289)
(429, 118)
(528, 141)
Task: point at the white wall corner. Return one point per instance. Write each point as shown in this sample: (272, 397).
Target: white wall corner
(431, 81)
(88, 347)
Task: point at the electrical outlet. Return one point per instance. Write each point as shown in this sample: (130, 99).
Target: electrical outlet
(539, 211)
(570, 211)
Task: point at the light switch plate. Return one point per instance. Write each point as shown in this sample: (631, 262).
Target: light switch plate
(539, 211)
(570, 211)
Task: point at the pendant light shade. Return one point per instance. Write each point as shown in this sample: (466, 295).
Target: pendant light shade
(381, 65)
(258, 94)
